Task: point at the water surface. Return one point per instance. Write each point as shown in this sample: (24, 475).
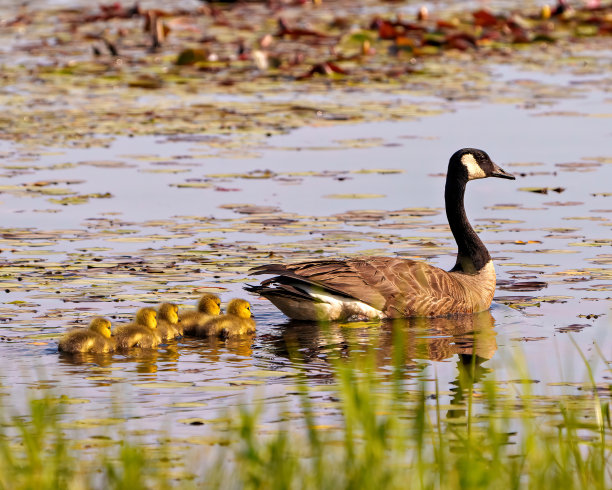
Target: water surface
(155, 240)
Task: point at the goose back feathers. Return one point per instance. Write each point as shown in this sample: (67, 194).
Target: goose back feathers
(389, 287)
(374, 287)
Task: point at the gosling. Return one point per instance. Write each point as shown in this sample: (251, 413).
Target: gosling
(238, 321)
(141, 333)
(95, 339)
(168, 326)
(209, 307)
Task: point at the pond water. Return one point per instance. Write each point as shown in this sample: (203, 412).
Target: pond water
(186, 216)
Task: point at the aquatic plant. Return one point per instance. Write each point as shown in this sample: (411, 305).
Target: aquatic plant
(387, 430)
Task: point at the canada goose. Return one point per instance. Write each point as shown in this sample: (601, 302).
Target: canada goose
(168, 326)
(96, 338)
(388, 287)
(238, 321)
(141, 333)
(208, 307)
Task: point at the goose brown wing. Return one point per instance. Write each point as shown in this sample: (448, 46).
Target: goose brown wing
(334, 276)
(398, 287)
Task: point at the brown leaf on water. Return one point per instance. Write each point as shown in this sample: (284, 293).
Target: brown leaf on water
(523, 286)
(106, 164)
(328, 68)
(81, 198)
(566, 203)
(44, 183)
(362, 215)
(272, 221)
(191, 56)
(542, 190)
(386, 30)
(284, 30)
(537, 190)
(528, 339)
(574, 327)
(578, 166)
(484, 18)
(603, 259)
(250, 208)
(146, 81)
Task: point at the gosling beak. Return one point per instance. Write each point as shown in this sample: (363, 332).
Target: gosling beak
(501, 173)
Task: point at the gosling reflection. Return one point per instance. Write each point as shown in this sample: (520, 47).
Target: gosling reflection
(213, 350)
(142, 361)
(87, 358)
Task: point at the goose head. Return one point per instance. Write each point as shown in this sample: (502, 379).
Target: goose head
(210, 304)
(101, 325)
(147, 317)
(471, 163)
(239, 307)
(169, 313)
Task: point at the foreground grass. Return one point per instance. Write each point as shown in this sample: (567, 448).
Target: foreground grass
(389, 435)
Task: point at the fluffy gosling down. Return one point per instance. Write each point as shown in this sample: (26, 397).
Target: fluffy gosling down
(95, 339)
(209, 307)
(238, 321)
(168, 326)
(141, 333)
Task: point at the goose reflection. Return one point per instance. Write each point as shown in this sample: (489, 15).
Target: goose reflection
(471, 338)
(435, 339)
(469, 372)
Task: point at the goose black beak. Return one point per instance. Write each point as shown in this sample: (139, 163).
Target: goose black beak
(501, 173)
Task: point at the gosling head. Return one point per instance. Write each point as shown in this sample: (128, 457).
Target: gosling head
(210, 304)
(101, 325)
(168, 312)
(471, 163)
(147, 317)
(240, 308)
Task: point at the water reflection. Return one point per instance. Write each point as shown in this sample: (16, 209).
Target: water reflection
(469, 372)
(80, 358)
(208, 353)
(433, 339)
(469, 339)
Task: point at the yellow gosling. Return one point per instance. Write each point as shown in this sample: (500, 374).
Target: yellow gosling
(238, 321)
(209, 306)
(96, 338)
(141, 333)
(168, 326)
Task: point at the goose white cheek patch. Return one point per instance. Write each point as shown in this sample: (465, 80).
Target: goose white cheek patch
(473, 169)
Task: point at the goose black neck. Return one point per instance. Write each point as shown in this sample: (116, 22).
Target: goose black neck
(472, 255)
